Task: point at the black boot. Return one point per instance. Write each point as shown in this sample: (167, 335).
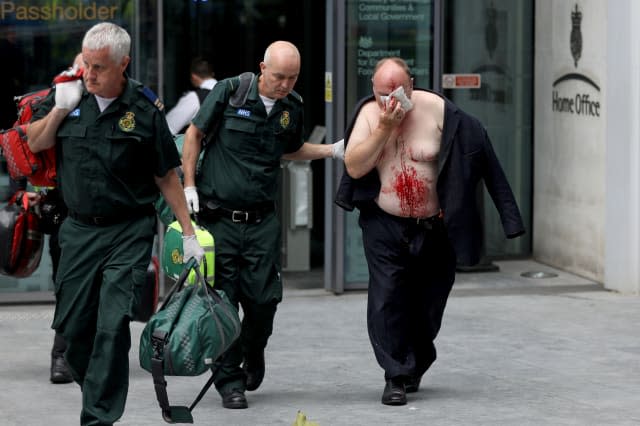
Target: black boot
(394, 392)
(234, 399)
(254, 370)
(59, 371)
(412, 384)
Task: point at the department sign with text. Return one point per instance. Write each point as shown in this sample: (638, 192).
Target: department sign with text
(575, 92)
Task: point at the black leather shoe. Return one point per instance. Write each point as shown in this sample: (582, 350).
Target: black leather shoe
(59, 371)
(394, 392)
(254, 370)
(234, 399)
(412, 384)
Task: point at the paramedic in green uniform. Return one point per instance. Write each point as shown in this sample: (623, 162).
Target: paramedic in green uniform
(235, 197)
(114, 154)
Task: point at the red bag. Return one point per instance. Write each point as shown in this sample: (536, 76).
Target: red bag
(21, 241)
(39, 168)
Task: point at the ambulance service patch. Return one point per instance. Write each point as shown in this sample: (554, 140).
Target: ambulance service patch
(284, 119)
(176, 257)
(127, 123)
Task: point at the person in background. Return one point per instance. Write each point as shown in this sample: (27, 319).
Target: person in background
(236, 191)
(202, 78)
(413, 162)
(114, 155)
(59, 371)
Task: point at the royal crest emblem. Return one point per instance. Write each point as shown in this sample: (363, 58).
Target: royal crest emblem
(576, 35)
(127, 123)
(285, 119)
(176, 257)
(365, 42)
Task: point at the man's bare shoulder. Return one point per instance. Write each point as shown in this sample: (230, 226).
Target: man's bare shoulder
(428, 101)
(369, 111)
(370, 106)
(430, 98)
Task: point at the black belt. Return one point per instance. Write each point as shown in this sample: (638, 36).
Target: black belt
(247, 216)
(428, 222)
(431, 222)
(147, 210)
(255, 214)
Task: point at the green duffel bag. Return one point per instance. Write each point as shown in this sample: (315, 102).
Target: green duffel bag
(190, 332)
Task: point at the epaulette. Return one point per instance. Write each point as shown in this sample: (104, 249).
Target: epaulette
(296, 96)
(150, 94)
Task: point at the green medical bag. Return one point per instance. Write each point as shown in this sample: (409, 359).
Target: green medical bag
(172, 253)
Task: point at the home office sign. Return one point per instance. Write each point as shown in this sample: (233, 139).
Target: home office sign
(575, 92)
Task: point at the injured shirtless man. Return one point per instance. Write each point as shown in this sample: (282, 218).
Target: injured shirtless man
(419, 159)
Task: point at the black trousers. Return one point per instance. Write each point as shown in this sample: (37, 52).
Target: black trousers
(411, 272)
(59, 344)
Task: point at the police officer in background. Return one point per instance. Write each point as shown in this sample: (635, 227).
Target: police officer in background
(236, 192)
(114, 152)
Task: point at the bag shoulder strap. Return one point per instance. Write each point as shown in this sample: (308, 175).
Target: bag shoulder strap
(238, 94)
(159, 338)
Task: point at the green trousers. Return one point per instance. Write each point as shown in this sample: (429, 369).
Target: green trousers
(98, 288)
(248, 271)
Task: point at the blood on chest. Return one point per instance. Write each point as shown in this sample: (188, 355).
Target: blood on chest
(411, 190)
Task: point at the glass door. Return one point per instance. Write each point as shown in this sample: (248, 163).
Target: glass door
(494, 39)
(371, 30)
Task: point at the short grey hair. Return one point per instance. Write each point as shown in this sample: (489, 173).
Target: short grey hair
(106, 34)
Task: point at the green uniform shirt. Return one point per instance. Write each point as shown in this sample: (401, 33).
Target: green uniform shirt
(241, 168)
(106, 162)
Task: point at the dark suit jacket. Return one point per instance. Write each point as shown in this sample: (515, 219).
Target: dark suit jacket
(466, 157)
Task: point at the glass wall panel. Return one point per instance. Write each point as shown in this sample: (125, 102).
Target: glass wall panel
(494, 38)
(377, 29)
(233, 35)
(40, 38)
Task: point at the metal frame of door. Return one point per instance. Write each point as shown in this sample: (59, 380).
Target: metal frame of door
(335, 118)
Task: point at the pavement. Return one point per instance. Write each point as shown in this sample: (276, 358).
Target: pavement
(512, 351)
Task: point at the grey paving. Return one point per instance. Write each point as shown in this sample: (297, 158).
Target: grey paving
(512, 351)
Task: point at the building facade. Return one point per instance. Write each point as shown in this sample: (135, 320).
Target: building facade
(554, 82)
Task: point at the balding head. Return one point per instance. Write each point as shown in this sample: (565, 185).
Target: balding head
(389, 74)
(279, 70)
(282, 51)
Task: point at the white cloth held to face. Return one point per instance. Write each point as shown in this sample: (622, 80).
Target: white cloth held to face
(68, 94)
(193, 203)
(191, 248)
(401, 97)
(338, 150)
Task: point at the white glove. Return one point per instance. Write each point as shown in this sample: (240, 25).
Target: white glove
(338, 150)
(191, 248)
(68, 94)
(193, 203)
